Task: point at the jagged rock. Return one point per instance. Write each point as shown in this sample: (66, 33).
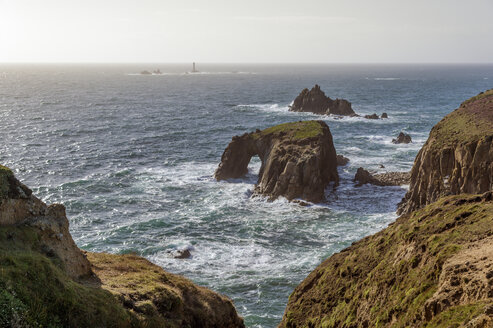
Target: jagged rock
(457, 157)
(315, 101)
(372, 116)
(47, 280)
(384, 115)
(341, 160)
(182, 254)
(382, 179)
(298, 160)
(432, 268)
(402, 138)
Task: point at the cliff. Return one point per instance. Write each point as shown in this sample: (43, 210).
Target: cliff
(298, 160)
(457, 157)
(431, 268)
(46, 281)
(315, 101)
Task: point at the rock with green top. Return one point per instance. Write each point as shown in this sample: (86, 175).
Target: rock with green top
(432, 268)
(298, 160)
(457, 157)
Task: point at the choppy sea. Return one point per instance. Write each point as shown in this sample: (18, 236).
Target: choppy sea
(132, 157)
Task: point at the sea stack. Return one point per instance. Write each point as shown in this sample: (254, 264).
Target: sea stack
(298, 160)
(315, 101)
(457, 157)
(432, 267)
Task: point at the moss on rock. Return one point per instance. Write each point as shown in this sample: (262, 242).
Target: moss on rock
(431, 268)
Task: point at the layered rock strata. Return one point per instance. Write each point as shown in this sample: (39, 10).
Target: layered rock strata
(457, 157)
(298, 160)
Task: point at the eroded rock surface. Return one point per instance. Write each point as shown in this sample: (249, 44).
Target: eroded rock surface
(362, 177)
(457, 157)
(432, 268)
(298, 160)
(402, 138)
(315, 101)
(342, 160)
(46, 280)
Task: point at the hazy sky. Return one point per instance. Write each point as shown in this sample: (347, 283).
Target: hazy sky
(246, 31)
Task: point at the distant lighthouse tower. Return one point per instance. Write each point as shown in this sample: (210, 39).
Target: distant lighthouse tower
(193, 69)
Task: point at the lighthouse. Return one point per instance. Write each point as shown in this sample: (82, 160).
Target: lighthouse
(193, 69)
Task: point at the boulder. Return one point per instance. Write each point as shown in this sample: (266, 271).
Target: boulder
(457, 157)
(402, 138)
(315, 101)
(372, 117)
(384, 115)
(382, 179)
(298, 160)
(341, 160)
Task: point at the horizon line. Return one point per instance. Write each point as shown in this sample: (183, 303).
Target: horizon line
(238, 63)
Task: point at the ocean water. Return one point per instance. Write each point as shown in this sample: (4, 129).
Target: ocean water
(132, 158)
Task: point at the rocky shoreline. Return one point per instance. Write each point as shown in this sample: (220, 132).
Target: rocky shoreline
(47, 280)
(432, 267)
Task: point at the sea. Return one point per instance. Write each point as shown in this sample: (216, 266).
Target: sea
(132, 158)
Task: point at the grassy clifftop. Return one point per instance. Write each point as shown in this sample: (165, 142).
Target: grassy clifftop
(294, 130)
(46, 281)
(433, 268)
(471, 121)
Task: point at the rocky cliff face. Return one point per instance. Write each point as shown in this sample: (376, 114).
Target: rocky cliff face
(46, 280)
(315, 101)
(457, 157)
(431, 268)
(298, 160)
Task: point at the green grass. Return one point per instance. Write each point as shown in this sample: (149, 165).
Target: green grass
(36, 292)
(465, 124)
(379, 275)
(295, 130)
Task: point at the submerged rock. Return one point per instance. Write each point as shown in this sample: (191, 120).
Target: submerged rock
(402, 138)
(48, 281)
(372, 117)
(298, 160)
(315, 101)
(457, 157)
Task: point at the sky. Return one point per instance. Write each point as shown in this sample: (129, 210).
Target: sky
(253, 31)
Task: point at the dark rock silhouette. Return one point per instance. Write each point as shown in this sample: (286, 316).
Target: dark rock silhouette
(315, 101)
(402, 138)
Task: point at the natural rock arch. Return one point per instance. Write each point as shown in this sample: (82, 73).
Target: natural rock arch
(298, 160)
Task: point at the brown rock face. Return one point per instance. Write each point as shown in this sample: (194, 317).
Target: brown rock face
(21, 207)
(382, 179)
(457, 157)
(402, 138)
(298, 160)
(342, 160)
(315, 101)
(432, 268)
